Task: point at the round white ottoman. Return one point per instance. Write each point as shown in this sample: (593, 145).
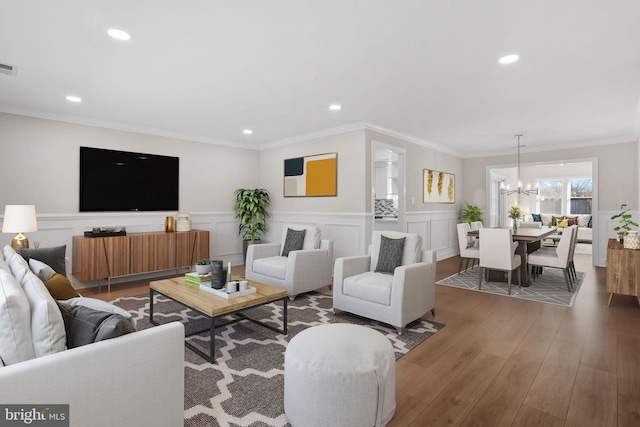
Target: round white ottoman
(339, 375)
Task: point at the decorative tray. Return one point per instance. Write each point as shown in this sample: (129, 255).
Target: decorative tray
(223, 294)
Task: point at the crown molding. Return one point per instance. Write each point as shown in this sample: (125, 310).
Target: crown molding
(105, 124)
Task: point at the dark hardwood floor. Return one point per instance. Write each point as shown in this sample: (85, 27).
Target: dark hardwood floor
(508, 362)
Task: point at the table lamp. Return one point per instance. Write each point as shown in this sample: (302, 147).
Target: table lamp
(19, 219)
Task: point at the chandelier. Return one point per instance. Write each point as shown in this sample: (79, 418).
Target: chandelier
(519, 190)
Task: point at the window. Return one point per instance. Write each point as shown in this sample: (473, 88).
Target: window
(581, 195)
(564, 196)
(550, 198)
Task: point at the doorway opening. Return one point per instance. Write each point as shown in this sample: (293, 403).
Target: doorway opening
(565, 189)
(388, 187)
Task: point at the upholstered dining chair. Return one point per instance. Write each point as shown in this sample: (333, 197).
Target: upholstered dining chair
(498, 252)
(469, 248)
(558, 257)
(394, 284)
(300, 263)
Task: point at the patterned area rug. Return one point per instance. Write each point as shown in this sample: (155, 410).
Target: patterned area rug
(549, 287)
(246, 385)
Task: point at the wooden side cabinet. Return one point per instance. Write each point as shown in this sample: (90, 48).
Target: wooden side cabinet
(105, 257)
(191, 246)
(100, 257)
(623, 270)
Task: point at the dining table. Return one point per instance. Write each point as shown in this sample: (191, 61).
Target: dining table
(525, 236)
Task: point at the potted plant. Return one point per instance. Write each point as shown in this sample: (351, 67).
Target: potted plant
(470, 214)
(203, 266)
(251, 209)
(624, 218)
(515, 213)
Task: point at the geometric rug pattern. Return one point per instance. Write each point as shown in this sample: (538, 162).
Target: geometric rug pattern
(245, 387)
(549, 287)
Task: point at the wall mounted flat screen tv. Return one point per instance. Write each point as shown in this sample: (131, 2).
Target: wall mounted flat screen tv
(113, 180)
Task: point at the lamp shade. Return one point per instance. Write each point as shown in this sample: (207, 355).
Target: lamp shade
(19, 219)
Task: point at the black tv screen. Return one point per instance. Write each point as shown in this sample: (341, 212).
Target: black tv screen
(113, 180)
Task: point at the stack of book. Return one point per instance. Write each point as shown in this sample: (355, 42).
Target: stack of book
(198, 279)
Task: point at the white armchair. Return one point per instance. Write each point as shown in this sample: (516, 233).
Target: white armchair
(301, 271)
(396, 299)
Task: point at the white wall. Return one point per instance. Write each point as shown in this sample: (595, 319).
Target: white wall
(40, 165)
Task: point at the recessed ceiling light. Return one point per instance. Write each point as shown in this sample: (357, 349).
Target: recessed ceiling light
(335, 107)
(508, 59)
(72, 98)
(119, 34)
(247, 131)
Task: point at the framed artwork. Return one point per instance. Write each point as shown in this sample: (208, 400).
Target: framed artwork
(311, 176)
(438, 187)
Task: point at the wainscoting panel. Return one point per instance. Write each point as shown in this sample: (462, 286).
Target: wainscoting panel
(438, 231)
(351, 233)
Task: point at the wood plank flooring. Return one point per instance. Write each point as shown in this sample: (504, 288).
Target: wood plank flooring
(509, 362)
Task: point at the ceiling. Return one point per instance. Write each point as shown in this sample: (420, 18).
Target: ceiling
(425, 70)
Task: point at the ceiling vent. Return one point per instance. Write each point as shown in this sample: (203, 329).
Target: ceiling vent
(7, 69)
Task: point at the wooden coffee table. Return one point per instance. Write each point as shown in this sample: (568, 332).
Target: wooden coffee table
(213, 306)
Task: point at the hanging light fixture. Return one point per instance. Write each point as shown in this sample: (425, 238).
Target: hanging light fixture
(519, 190)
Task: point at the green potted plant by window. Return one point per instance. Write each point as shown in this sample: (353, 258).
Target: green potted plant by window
(470, 214)
(624, 218)
(251, 209)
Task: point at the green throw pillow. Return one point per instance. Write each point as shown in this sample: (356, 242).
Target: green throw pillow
(293, 241)
(390, 255)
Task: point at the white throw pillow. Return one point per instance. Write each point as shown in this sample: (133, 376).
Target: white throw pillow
(42, 270)
(4, 266)
(583, 220)
(18, 265)
(47, 325)
(16, 344)
(97, 304)
(7, 251)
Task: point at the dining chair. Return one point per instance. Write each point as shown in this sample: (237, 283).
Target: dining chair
(558, 257)
(468, 246)
(498, 252)
(476, 225)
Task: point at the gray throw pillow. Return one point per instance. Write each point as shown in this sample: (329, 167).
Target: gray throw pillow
(390, 254)
(293, 241)
(85, 325)
(53, 257)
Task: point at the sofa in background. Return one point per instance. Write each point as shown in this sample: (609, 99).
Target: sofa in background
(130, 380)
(585, 232)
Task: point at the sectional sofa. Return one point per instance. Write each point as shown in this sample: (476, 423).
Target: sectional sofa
(133, 379)
(585, 232)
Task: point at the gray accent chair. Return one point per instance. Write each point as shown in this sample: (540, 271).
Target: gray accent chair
(396, 299)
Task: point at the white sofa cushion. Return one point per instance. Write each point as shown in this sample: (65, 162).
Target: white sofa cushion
(16, 344)
(311, 237)
(369, 286)
(4, 266)
(583, 220)
(274, 266)
(18, 265)
(412, 247)
(47, 325)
